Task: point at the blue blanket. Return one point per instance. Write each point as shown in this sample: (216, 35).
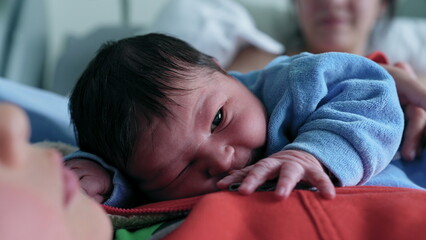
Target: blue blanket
(47, 111)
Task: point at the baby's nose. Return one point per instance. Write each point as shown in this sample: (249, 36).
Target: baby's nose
(220, 163)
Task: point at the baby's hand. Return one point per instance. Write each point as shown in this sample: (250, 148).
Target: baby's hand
(94, 179)
(290, 166)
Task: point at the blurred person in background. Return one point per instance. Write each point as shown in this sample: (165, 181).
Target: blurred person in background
(347, 26)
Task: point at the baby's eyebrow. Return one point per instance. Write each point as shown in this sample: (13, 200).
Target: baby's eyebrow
(199, 110)
(208, 107)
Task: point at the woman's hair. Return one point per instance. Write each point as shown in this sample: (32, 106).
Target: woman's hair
(128, 83)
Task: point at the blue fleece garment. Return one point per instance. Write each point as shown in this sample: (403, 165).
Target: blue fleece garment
(341, 108)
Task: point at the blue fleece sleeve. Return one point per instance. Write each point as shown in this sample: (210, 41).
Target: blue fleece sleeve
(341, 108)
(122, 194)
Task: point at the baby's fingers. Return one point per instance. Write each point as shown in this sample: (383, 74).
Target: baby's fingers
(322, 181)
(290, 174)
(95, 188)
(235, 176)
(259, 174)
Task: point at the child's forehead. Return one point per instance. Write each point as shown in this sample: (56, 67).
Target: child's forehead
(196, 83)
(195, 77)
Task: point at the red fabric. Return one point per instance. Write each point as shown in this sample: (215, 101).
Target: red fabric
(356, 213)
(378, 57)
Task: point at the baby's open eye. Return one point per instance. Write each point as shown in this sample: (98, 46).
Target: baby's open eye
(217, 120)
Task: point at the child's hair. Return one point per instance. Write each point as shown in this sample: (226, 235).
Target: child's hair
(128, 83)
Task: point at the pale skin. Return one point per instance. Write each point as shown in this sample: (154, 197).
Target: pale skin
(95, 180)
(338, 25)
(40, 199)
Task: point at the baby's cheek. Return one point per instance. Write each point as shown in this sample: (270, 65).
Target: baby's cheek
(256, 131)
(24, 216)
(195, 184)
(86, 219)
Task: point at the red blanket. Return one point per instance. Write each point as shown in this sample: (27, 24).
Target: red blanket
(356, 213)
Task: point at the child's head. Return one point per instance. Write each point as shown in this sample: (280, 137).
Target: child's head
(167, 115)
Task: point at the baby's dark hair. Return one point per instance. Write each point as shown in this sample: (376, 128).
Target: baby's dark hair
(129, 82)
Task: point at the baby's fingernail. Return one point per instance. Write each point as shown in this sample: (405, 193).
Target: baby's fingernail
(246, 189)
(281, 193)
(330, 195)
(222, 184)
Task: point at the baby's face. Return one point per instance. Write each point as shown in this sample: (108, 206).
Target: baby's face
(40, 199)
(215, 128)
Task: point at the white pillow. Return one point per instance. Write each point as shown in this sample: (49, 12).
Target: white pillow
(403, 40)
(219, 28)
